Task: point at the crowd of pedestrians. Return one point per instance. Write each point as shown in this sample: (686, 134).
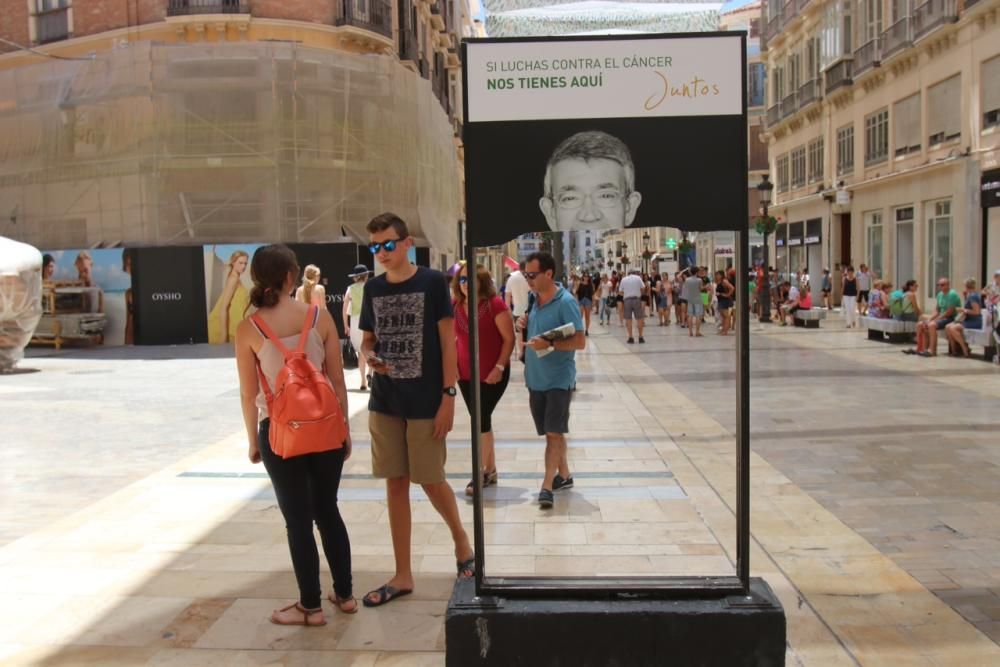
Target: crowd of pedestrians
(410, 326)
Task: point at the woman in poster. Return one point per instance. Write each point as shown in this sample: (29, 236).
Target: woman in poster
(231, 307)
(129, 306)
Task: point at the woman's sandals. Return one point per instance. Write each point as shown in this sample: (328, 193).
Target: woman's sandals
(306, 615)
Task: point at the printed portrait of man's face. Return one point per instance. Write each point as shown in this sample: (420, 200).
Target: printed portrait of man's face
(590, 184)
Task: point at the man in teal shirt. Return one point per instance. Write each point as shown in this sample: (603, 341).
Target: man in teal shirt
(948, 301)
(550, 368)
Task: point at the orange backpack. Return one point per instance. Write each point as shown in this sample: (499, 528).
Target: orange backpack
(306, 416)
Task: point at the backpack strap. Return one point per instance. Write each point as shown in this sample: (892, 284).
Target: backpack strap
(312, 317)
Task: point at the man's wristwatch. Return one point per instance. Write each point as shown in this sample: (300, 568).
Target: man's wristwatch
(450, 391)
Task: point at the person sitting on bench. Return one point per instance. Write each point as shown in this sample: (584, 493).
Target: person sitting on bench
(788, 308)
(904, 304)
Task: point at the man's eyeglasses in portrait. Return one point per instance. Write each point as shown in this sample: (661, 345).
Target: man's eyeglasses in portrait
(605, 198)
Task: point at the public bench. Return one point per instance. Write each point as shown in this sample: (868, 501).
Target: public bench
(809, 318)
(982, 338)
(889, 330)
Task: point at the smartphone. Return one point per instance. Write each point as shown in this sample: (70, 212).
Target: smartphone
(378, 361)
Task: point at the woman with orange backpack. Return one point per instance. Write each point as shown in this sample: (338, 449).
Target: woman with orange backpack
(294, 405)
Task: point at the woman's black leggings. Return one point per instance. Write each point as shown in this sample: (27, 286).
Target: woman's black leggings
(489, 397)
(306, 487)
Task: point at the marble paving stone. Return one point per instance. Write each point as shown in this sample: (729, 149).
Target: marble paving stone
(404, 625)
(246, 625)
(187, 562)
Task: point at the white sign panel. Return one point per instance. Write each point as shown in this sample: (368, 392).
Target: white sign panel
(639, 78)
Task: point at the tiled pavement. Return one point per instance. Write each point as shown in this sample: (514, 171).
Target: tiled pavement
(135, 534)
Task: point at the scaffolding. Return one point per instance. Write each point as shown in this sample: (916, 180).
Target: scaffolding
(154, 144)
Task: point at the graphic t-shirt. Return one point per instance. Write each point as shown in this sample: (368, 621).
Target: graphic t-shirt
(404, 318)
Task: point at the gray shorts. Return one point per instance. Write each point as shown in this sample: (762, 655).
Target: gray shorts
(696, 308)
(550, 410)
(633, 308)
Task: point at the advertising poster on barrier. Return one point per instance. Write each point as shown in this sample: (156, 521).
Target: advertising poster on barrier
(335, 261)
(169, 289)
(88, 284)
(596, 133)
(227, 288)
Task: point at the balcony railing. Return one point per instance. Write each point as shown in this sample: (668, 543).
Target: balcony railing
(374, 15)
(192, 7)
(773, 115)
(809, 92)
(408, 45)
(932, 15)
(866, 57)
(897, 37)
(789, 104)
(52, 26)
(788, 12)
(773, 26)
(839, 74)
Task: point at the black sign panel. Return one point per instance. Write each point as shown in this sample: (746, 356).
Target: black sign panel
(169, 296)
(990, 190)
(335, 261)
(604, 133)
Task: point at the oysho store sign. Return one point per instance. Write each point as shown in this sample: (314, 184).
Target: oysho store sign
(169, 296)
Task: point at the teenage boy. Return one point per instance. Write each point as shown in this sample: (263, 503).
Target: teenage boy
(409, 341)
(551, 376)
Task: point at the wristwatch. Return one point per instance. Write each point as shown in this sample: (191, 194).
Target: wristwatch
(450, 391)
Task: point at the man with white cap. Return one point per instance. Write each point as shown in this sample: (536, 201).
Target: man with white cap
(352, 313)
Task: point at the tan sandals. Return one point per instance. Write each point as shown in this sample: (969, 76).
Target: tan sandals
(306, 613)
(340, 603)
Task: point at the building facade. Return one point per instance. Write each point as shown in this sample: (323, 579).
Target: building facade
(716, 250)
(883, 121)
(166, 122)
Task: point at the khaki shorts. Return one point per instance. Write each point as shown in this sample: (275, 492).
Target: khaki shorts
(406, 448)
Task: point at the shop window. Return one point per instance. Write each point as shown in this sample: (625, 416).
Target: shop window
(906, 125)
(876, 137)
(944, 123)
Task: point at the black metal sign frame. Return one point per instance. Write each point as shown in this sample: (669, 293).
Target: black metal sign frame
(608, 587)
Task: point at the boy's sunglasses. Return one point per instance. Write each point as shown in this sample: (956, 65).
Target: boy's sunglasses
(389, 245)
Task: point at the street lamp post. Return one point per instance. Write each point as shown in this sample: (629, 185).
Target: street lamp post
(645, 252)
(764, 189)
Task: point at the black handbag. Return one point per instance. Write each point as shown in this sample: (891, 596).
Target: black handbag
(348, 353)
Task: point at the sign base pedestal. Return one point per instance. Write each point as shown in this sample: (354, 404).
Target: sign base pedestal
(729, 631)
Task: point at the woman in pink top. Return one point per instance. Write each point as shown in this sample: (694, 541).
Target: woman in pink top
(305, 486)
(496, 342)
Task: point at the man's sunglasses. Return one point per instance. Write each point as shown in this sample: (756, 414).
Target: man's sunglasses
(389, 245)
(531, 275)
